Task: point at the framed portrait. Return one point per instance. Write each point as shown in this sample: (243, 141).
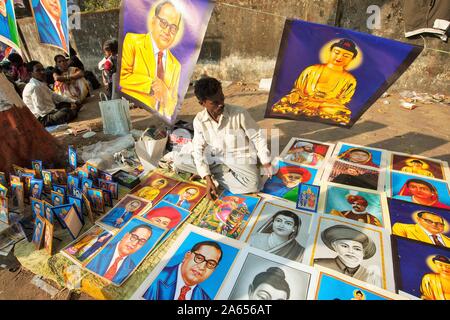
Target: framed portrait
(3, 180)
(203, 259)
(421, 270)
(18, 171)
(47, 177)
(258, 275)
(38, 232)
(82, 173)
(186, 195)
(60, 189)
(361, 155)
(349, 174)
(72, 182)
(57, 198)
(48, 238)
(47, 16)
(420, 223)
(36, 188)
(73, 221)
(307, 152)
(59, 176)
(87, 206)
(95, 196)
(48, 213)
(418, 190)
(133, 242)
(352, 248)
(107, 198)
(3, 191)
(37, 207)
(105, 176)
(166, 215)
(73, 158)
(281, 220)
(92, 171)
(4, 211)
(37, 167)
(77, 193)
(13, 180)
(420, 166)
(17, 195)
(284, 184)
(60, 212)
(155, 187)
(112, 187)
(81, 250)
(332, 285)
(126, 179)
(26, 180)
(141, 38)
(308, 197)
(356, 204)
(230, 214)
(78, 203)
(127, 208)
(360, 67)
(86, 184)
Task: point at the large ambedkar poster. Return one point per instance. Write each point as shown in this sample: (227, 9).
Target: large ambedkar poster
(8, 25)
(333, 75)
(52, 22)
(160, 43)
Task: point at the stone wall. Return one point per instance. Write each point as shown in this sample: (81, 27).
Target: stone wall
(243, 37)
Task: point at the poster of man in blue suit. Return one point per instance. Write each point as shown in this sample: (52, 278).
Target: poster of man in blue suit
(8, 26)
(123, 254)
(52, 22)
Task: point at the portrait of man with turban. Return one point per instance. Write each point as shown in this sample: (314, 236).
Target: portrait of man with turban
(358, 212)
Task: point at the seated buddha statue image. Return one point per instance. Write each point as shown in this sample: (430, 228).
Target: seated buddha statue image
(324, 90)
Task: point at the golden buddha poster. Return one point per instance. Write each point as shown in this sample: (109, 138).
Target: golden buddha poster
(333, 75)
(160, 42)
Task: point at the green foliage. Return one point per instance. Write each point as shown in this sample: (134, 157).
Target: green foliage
(96, 5)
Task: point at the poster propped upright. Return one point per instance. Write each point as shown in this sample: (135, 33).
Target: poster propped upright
(9, 34)
(160, 42)
(52, 22)
(333, 75)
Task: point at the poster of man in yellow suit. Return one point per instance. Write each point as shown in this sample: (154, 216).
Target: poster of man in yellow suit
(159, 48)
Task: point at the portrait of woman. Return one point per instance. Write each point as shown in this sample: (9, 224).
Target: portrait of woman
(278, 236)
(420, 192)
(358, 156)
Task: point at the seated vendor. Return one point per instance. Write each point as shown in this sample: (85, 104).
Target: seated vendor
(324, 90)
(48, 107)
(226, 144)
(69, 81)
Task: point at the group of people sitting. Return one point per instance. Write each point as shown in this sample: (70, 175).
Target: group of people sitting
(56, 94)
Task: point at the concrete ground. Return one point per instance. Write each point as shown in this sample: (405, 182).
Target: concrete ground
(423, 131)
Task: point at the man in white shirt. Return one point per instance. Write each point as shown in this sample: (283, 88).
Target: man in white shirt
(48, 107)
(226, 145)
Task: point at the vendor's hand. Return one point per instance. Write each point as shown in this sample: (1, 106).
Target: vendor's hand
(211, 189)
(268, 170)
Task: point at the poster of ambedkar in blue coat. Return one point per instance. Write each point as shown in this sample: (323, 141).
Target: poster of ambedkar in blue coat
(333, 75)
(8, 25)
(52, 22)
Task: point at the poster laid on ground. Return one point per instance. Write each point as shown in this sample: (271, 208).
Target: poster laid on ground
(52, 22)
(160, 43)
(341, 73)
(8, 25)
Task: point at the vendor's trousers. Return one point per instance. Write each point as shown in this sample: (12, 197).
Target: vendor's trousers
(63, 114)
(238, 179)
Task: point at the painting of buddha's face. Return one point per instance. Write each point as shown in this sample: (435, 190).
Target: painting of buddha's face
(340, 57)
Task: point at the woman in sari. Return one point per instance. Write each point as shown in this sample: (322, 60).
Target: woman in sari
(358, 156)
(69, 81)
(420, 192)
(278, 236)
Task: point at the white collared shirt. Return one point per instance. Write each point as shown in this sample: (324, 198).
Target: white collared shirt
(40, 99)
(430, 235)
(54, 22)
(180, 285)
(235, 140)
(115, 256)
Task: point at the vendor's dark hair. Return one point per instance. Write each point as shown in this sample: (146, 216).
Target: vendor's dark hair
(30, 65)
(209, 244)
(111, 45)
(275, 277)
(59, 56)
(206, 88)
(15, 58)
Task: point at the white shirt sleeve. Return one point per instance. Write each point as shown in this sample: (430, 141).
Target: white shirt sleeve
(255, 134)
(199, 145)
